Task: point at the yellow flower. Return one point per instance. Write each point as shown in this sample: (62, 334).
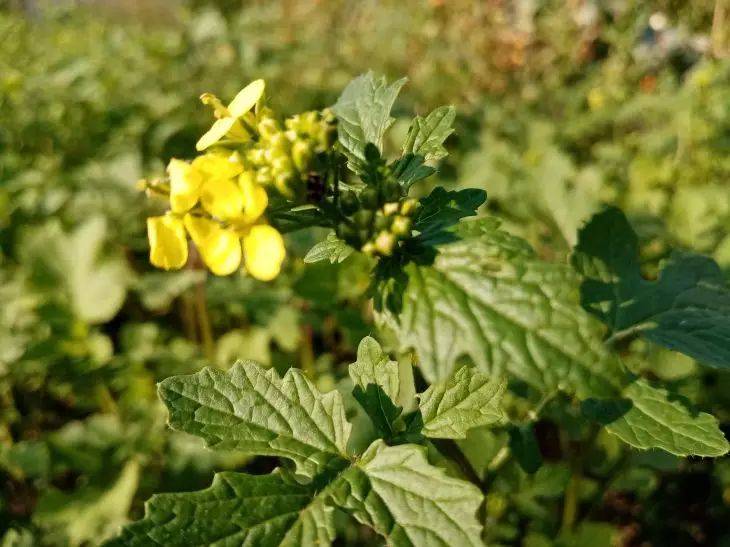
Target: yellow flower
(168, 244)
(214, 165)
(263, 249)
(185, 183)
(228, 123)
(255, 198)
(222, 198)
(219, 247)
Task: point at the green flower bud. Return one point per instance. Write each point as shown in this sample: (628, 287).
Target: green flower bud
(363, 218)
(382, 222)
(348, 202)
(401, 226)
(391, 190)
(390, 208)
(369, 198)
(384, 243)
(301, 154)
(409, 206)
(268, 127)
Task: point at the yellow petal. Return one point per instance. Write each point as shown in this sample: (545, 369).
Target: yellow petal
(219, 247)
(168, 244)
(222, 198)
(246, 98)
(218, 166)
(184, 185)
(225, 127)
(263, 249)
(255, 198)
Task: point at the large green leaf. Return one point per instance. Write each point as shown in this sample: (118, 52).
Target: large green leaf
(251, 409)
(468, 399)
(650, 418)
(686, 309)
(392, 489)
(363, 115)
(237, 509)
(412, 503)
(489, 298)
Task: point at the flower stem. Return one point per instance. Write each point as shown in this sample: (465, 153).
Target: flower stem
(205, 329)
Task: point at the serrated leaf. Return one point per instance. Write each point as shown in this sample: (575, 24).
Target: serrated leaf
(423, 144)
(409, 501)
(363, 115)
(468, 399)
(427, 135)
(253, 410)
(377, 386)
(333, 249)
(379, 407)
(487, 297)
(441, 209)
(655, 420)
(237, 509)
(373, 366)
(686, 309)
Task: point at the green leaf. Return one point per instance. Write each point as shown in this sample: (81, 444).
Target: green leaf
(488, 297)
(90, 513)
(94, 282)
(237, 509)
(655, 420)
(363, 114)
(373, 366)
(441, 209)
(157, 290)
(333, 249)
(427, 135)
(392, 489)
(525, 448)
(468, 399)
(424, 143)
(686, 309)
(253, 410)
(377, 387)
(409, 501)
(380, 409)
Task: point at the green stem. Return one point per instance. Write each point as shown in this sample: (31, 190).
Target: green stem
(206, 331)
(570, 504)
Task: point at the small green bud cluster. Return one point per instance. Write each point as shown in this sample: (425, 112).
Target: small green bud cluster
(284, 155)
(376, 219)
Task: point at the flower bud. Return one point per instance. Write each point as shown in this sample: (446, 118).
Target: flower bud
(384, 243)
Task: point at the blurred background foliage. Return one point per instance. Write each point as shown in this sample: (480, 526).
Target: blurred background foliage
(563, 106)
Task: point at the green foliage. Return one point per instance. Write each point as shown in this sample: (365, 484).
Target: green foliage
(257, 412)
(686, 309)
(586, 422)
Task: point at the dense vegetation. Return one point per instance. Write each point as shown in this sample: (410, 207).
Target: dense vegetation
(595, 343)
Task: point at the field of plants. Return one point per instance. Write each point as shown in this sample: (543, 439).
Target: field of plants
(378, 272)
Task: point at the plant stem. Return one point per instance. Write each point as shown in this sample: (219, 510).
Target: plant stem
(570, 504)
(206, 331)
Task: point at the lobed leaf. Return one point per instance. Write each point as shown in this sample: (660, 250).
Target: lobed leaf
(652, 419)
(333, 249)
(487, 297)
(686, 309)
(394, 490)
(363, 115)
(237, 509)
(468, 399)
(252, 409)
